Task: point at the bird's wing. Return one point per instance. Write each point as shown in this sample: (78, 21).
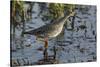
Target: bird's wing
(41, 30)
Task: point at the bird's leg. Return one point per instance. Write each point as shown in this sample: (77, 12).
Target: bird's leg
(45, 51)
(45, 54)
(46, 42)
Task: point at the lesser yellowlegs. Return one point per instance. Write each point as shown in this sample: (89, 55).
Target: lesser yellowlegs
(50, 30)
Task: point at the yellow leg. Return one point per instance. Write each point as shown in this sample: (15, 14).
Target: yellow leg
(46, 43)
(45, 51)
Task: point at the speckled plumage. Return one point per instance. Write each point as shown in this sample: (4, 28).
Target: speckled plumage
(49, 30)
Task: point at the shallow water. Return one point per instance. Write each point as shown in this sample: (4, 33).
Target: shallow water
(78, 45)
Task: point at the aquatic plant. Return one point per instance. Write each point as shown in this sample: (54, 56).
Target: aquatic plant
(57, 10)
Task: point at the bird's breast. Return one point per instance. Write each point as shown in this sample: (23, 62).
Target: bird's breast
(56, 31)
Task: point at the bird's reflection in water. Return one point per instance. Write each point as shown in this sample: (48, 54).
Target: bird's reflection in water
(48, 59)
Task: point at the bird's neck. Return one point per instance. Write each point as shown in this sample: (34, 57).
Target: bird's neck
(65, 18)
(62, 20)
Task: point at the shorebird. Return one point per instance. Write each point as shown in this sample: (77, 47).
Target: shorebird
(50, 30)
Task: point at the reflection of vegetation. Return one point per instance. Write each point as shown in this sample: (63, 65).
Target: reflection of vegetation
(17, 16)
(17, 10)
(57, 10)
(16, 13)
